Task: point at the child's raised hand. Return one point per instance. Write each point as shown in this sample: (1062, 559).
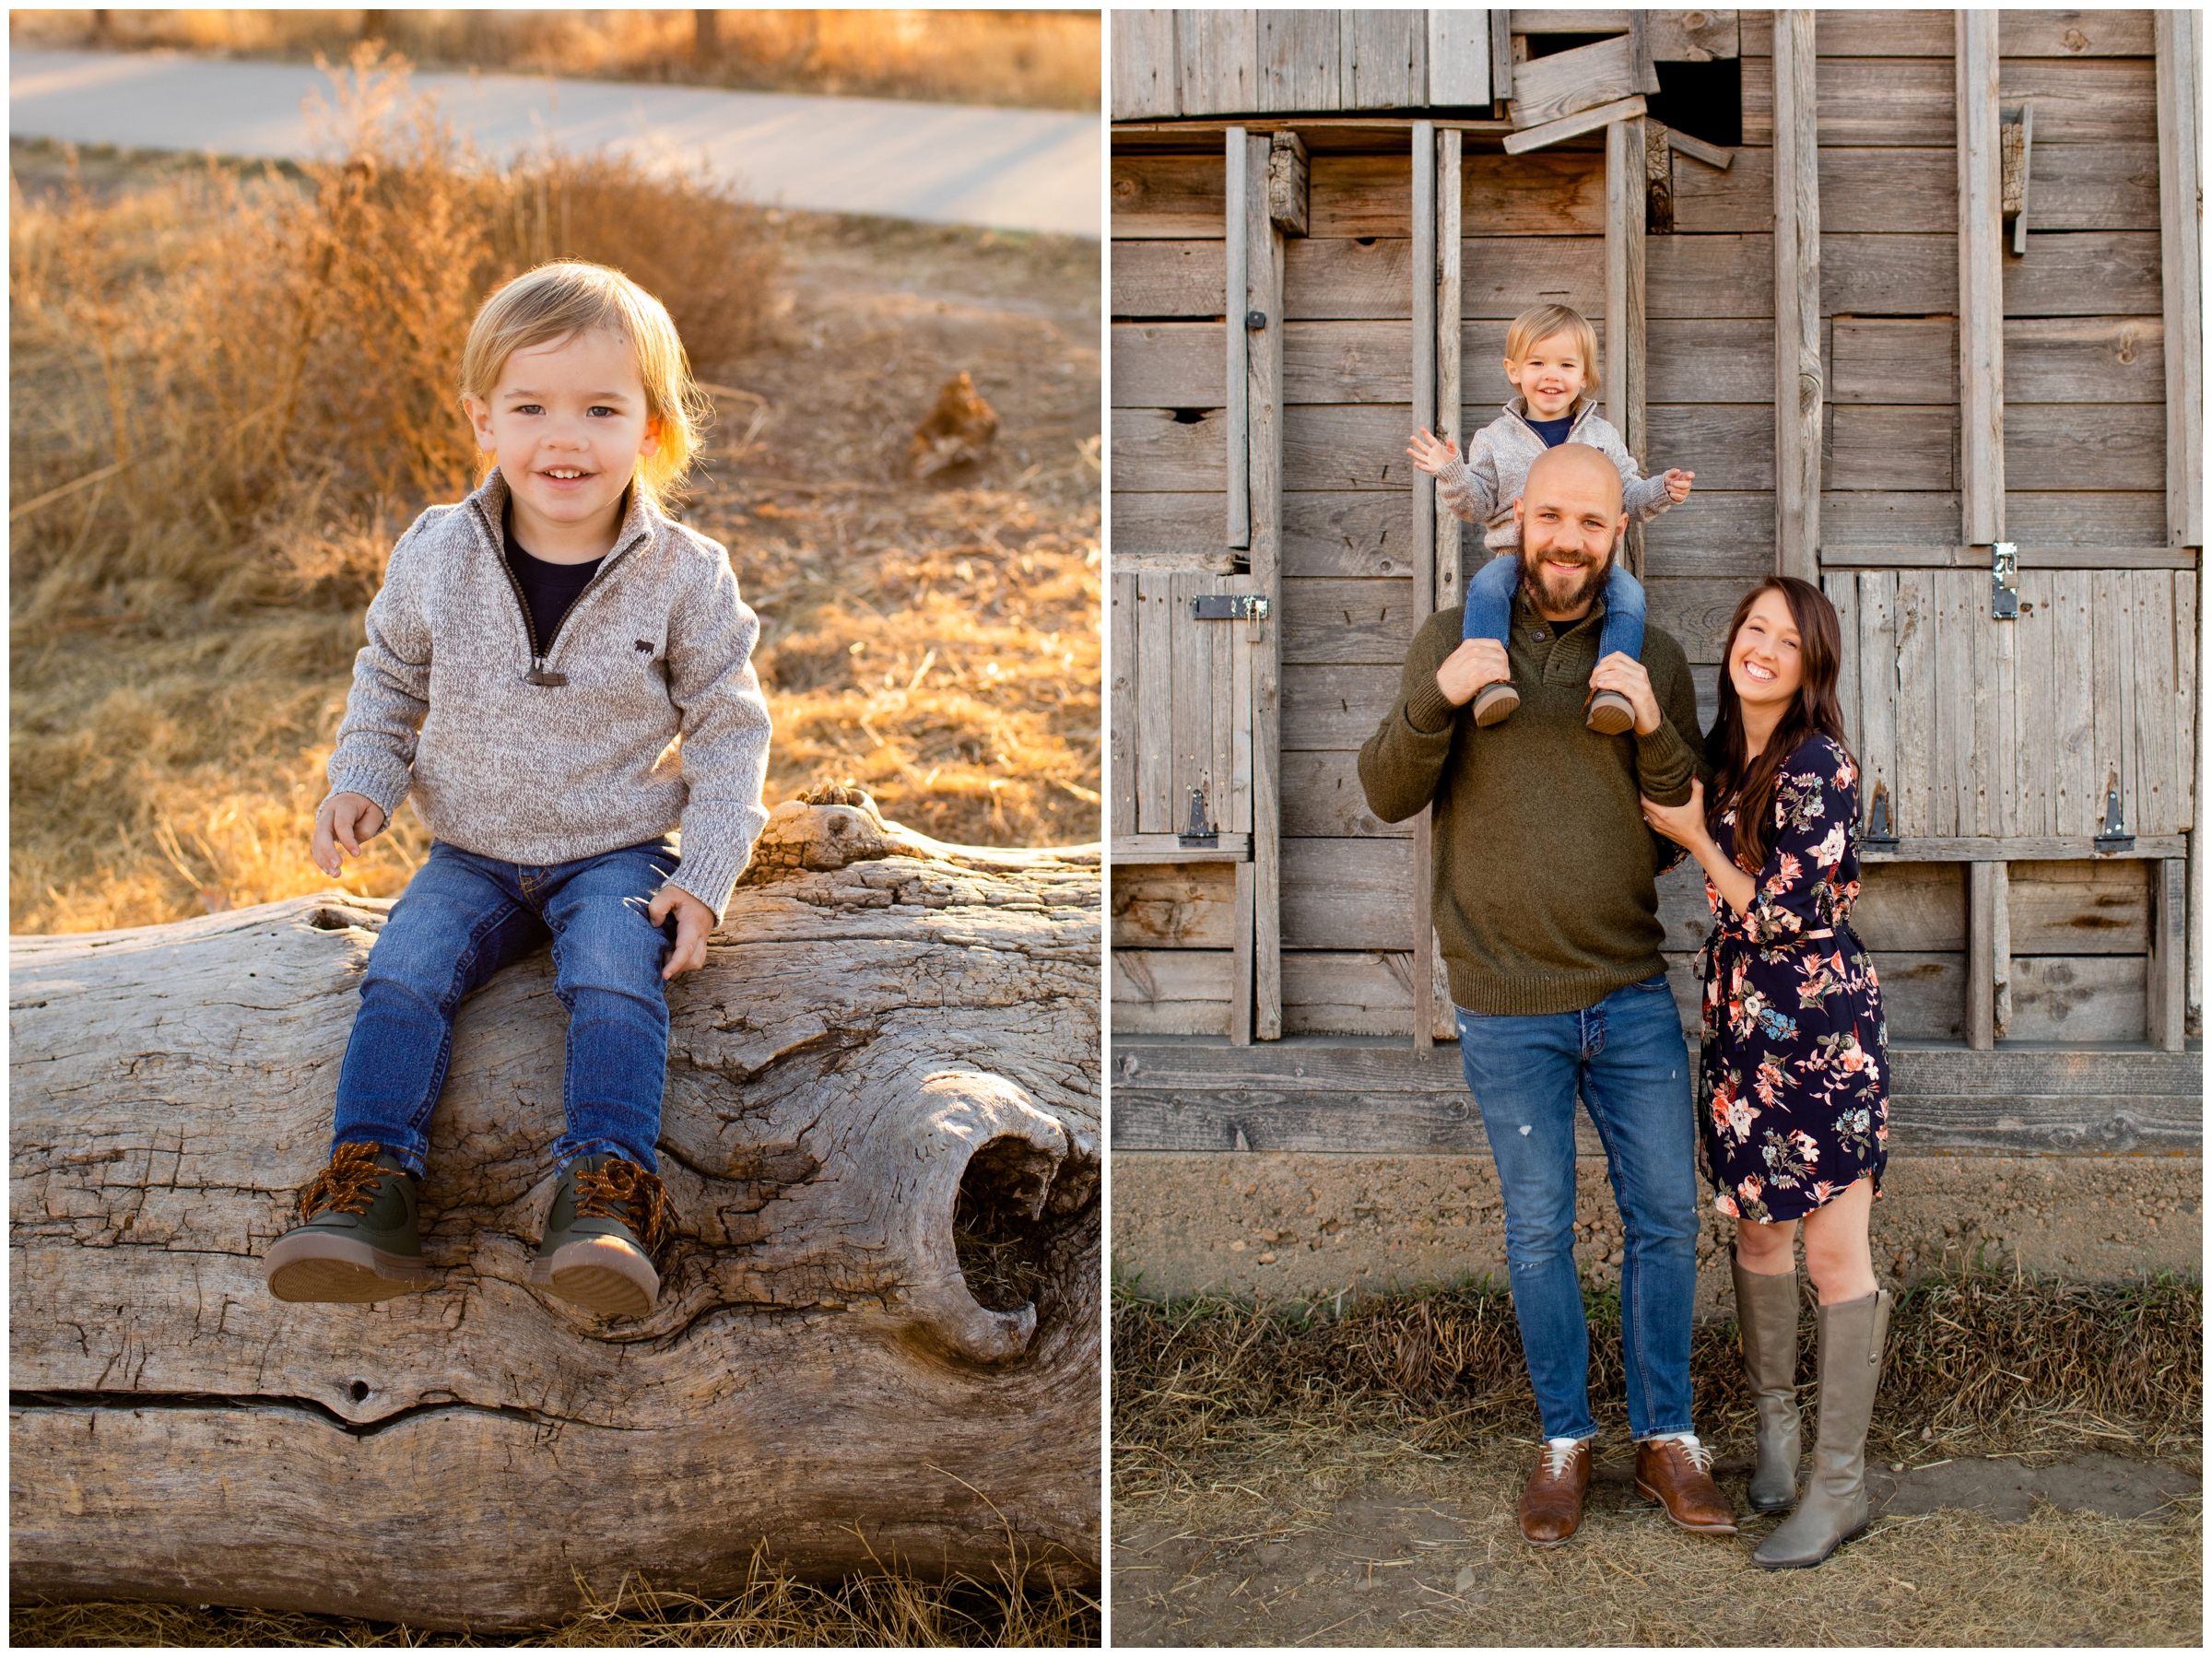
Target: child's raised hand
(1677, 484)
(694, 920)
(343, 820)
(1432, 453)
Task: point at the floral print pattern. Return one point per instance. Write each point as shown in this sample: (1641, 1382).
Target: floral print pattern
(1792, 1078)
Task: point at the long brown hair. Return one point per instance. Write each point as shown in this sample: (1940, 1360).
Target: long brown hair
(1815, 711)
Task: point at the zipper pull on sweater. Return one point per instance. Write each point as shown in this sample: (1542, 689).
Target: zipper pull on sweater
(538, 675)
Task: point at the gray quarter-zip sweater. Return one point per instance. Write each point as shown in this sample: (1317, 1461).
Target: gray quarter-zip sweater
(1483, 488)
(642, 715)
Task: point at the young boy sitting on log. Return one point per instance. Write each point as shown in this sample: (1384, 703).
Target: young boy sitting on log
(559, 675)
(1550, 357)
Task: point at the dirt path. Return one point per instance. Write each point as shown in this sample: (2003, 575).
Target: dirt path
(2089, 1549)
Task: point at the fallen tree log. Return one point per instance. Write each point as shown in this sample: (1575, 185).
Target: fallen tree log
(890, 1038)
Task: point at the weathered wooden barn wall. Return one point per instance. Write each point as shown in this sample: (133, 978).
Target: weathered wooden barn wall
(1994, 742)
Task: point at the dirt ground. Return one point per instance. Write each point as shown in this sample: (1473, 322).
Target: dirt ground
(1370, 1541)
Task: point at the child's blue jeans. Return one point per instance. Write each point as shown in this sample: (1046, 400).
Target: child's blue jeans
(462, 918)
(1491, 607)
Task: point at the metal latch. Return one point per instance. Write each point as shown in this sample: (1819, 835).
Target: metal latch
(1200, 832)
(2005, 582)
(1230, 607)
(1879, 836)
(2116, 837)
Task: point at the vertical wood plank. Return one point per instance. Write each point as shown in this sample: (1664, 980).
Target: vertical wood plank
(1240, 963)
(1990, 760)
(1459, 59)
(2186, 726)
(1144, 65)
(2000, 948)
(1450, 416)
(1217, 58)
(1799, 391)
(2168, 977)
(1424, 539)
(2156, 712)
(1384, 59)
(1191, 664)
(1843, 589)
(1221, 764)
(1953, 759)
(1155, 704)
(2080, 796)
(1300, 58)
(1237, 417)
(1502, 54)
(1624, 330)
(1981, 1004)
(1981, 281)
(2106, 627)
(1244, 658)
(2177, 37)
(1122, 707)
(1878, 686)
(1915, 703)
(1264, 293)
(2131, 781)
(2035, 712)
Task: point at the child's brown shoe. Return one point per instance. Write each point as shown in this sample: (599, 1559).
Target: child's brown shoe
(610, 1219)
(1494, 701)
(357, 1242)
(1610, 713)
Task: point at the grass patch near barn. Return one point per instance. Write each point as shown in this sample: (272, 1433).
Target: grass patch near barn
(231, 391)
(1297, 1472)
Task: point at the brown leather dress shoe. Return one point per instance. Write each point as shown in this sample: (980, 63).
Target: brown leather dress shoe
(1551, 1503)
(1678, 1477)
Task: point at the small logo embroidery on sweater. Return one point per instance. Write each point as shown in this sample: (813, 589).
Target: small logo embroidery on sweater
(645, 647)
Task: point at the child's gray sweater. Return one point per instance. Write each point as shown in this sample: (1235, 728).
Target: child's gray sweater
(660, 723)
(1483, 488)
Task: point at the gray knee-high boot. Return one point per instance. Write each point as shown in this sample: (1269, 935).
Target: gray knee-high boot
(1835, 1508)
(1766, 1314)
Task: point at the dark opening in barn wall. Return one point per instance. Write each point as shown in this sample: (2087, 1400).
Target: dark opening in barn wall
(1706, 101)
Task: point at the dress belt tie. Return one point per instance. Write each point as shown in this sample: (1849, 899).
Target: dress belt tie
(1708, 960)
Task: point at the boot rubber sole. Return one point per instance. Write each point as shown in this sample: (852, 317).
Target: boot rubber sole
(1652, 1496)
(1810, 1564)
(600, 1274)
(1610, 715)
(1772, 1506)
(340, 1270)
(1494, 701)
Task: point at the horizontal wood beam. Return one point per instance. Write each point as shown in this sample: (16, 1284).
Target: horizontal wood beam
(1376, 1099)
(1168, 848)
(1204, 125)
(1712, 155)
(2056, 848)
(2030, 558)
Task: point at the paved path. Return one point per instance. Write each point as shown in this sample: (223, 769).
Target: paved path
(1017, 169)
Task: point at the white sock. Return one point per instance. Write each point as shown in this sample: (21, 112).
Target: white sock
(1568, 1443)
(1663, 1437)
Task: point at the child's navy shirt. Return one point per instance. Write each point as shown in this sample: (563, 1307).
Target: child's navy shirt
(1553, 432)
(549, 589)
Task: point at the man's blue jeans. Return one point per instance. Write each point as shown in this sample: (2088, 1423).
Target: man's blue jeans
(462, 918)
(1627, 1057)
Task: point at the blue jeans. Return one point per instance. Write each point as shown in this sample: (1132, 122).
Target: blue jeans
(1491, 607)
(1627, 1057)
(462, 918)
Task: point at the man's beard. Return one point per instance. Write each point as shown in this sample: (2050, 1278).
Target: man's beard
(1546, 597)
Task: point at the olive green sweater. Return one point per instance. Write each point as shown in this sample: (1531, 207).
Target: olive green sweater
(1544, 900)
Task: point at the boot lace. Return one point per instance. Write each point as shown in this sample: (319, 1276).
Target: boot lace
(1559, 1458)
(347, 1186)
(1699, 1456)
(644, 1206)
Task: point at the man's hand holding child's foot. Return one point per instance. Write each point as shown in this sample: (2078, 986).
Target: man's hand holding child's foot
(1479, 670)
(694, 920)
(1621, 699)
(343, 820)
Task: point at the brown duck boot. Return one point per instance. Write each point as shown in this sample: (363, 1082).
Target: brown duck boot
(1766, 1317)
(1494, 701)
(1677, 1474)
(1551, 1503)
(1610, 713)
(358, 1240)
(1835, 1508)
(609, 1221)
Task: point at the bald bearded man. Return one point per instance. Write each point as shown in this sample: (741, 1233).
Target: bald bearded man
(1548, 920)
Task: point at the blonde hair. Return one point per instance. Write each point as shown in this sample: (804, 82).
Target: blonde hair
(567, 296)
(1539, 322)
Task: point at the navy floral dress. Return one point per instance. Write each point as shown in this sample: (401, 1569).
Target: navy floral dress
(1794, 1078)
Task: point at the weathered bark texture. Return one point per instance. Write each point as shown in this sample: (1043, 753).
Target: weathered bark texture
(880, 1019)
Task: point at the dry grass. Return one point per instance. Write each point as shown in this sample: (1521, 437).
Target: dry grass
(1977, 1361)
(267, 359)
(1290, 1475)
(1023, 59)
(773, 1610)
